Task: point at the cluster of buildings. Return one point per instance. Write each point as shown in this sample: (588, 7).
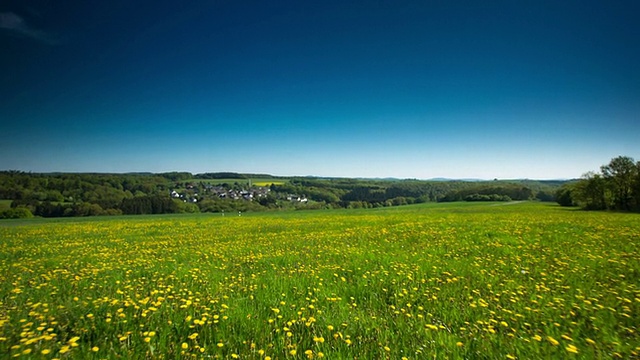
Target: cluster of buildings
(192, 193)
(196, 192)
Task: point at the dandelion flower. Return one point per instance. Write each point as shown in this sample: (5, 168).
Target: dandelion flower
(572, 349)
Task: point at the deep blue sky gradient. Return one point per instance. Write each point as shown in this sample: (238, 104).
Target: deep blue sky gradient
(420, 89)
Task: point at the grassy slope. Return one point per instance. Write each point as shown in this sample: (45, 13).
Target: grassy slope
(239, 181)
(477, 280)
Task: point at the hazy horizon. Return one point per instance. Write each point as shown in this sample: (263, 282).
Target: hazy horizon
(258, 175)
(403, 89)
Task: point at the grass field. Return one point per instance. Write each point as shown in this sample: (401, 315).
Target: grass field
(246, 182)
(481, 281)
(269, 182)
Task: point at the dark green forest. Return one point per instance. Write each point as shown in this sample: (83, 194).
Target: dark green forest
(90, 194)
(615, 187)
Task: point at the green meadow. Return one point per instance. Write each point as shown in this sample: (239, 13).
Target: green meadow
(244, 182)
(447, 281)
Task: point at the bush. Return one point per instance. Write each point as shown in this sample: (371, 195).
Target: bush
(186, 207)
(19, 212)
(563, 197)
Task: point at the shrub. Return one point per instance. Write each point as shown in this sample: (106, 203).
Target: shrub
(19, 212)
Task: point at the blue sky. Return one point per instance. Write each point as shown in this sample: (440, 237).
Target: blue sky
(409, 89)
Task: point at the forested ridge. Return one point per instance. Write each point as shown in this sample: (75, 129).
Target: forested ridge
(87, 194)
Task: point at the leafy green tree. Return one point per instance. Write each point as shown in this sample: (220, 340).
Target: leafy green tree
(545, 196)
(84, 209)
(590, 192)
(19, 212)
(186, 207)
(323, 195)
(620, 175)
(563, 196)
(636, 188)
(268, 201)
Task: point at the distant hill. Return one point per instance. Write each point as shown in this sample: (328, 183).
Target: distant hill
(82, 194)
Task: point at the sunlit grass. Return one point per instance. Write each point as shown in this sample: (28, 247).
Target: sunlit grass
(268, 183)
(451, 281)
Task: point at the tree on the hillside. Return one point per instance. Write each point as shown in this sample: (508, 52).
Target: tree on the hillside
(590, 192)
(545, 196)
(620, 175)
(636, 189)
(563, 196)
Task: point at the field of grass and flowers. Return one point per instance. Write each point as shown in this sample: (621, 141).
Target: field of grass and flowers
(494, 281)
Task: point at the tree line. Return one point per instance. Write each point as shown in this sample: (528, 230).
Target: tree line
(89, 194)
(356, 193)
(615, 187)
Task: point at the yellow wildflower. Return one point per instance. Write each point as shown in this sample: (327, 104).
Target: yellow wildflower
(572, 349)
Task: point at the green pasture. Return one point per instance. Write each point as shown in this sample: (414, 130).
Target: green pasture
(254, 182)
(446, 281)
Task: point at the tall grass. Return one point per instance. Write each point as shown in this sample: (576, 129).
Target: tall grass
(445, 281)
